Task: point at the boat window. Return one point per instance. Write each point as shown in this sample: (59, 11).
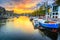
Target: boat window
(55, 8)
(53, 16)
(53, 13)
(56, 13)
(56, 17)
(48, 13)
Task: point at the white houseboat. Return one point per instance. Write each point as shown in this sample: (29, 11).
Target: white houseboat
(52, 13)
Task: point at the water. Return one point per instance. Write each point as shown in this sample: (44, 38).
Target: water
(20, 29)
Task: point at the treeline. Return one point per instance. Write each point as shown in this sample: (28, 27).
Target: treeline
(58, 2)
(2, 11)
(41, 11)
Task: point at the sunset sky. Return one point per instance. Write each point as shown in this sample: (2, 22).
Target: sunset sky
(22, 6)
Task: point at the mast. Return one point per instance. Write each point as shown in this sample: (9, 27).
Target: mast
(46, 4)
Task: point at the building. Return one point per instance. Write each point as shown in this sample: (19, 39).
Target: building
(53, 12)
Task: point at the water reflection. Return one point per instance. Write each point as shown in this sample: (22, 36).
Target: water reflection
(20, 28)
(2, 22)
(24, 24)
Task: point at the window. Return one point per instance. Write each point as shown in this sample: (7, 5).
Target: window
(48, 13)
(53, 16)
(56, 13)
(56, 17)
(55, 8)
(53, 13)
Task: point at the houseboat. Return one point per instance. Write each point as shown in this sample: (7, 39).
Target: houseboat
(52, 20)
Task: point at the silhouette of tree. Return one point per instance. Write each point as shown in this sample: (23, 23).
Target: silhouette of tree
(2, 11)
(58, 2)
(40, 11)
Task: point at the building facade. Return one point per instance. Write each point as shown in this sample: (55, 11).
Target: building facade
(53, 12)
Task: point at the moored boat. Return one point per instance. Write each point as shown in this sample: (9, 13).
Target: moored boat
(50, 26)
(47, 25)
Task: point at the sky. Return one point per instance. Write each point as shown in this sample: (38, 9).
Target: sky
(22, 6)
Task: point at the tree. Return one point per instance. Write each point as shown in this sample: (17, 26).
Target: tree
(40, 11)
(58, 2)
(2, 11)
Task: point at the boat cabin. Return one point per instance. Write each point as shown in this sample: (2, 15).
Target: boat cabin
(53, 12)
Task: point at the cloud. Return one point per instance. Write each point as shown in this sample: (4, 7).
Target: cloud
(26, 3)
(7, 4)
(21, 4)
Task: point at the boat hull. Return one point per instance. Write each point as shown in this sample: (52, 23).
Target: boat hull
(47, 25)
(50, 27)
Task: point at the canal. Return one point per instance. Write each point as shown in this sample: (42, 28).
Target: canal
(20, 29)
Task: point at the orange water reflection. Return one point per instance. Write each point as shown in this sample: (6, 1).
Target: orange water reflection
(23, 23)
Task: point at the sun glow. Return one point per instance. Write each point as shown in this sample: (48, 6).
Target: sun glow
(19, 11)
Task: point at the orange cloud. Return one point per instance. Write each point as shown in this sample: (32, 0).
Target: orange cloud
(25, 6)
(19, 11)
(20, 6)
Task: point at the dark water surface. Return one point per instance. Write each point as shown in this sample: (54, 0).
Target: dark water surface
(20, 29)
